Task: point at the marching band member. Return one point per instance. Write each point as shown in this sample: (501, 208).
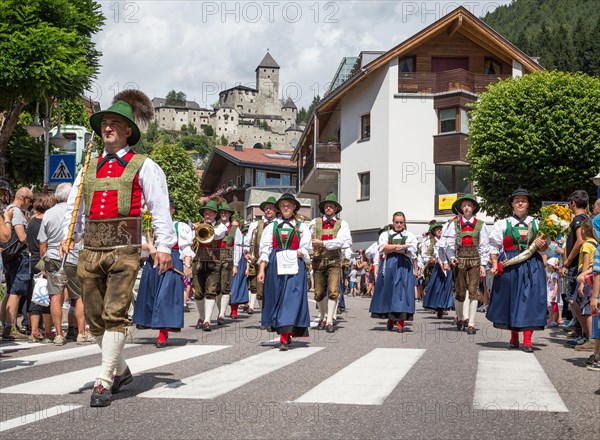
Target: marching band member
(438, 291)
(255, 232)
(283, 247)
(330, 237)
(206, 269)
(108, 220)
(159, 303)
(394, 297)
(230, 247)
(466, 242)
(518, 297)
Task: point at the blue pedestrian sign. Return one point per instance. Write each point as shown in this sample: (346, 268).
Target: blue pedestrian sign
(61, 168)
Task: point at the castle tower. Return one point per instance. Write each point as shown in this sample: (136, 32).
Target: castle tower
(289, 111)
(267, 84)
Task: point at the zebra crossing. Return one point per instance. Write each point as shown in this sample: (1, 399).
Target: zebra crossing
(505, 380)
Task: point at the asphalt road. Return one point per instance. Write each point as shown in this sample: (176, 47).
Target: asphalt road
(429, 382)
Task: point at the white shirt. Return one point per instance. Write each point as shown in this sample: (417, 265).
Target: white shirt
(411, 241)
(343, 238)
(156, 194)
(449, 241)
(373, 252)
(185, 239)
(499, 229)
(237, 241)
(266, 241)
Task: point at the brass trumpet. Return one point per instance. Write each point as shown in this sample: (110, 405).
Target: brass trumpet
(205, 233)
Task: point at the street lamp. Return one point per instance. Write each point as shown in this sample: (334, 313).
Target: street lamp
(596, 180)
(34, 131)
(58, 140)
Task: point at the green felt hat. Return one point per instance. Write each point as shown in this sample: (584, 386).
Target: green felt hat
(288, 197)
(122, 109)
(456, 205)
(434, 227)
(225, 207)
(271, 200)
(331, 198)
(212, 205)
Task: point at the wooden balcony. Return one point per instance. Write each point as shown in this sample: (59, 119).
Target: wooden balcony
(457, 79)
(451, 147)
(323, 154)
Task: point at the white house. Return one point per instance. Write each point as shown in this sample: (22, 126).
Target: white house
(393, 136)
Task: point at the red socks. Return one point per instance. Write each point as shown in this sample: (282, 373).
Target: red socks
(401, 324)
(527, 337)
(163, 335)
(285, 338)
(234, 310)
(514, 337)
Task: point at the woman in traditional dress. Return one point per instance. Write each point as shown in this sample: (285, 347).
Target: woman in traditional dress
(394, 296)
(284, 246)
(239, 280)
(518, 297)
(159, 304)
(438, 292)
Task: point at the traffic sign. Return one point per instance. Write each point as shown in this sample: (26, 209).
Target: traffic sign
(61, 168)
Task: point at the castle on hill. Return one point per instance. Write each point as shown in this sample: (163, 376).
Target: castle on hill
(254, 117)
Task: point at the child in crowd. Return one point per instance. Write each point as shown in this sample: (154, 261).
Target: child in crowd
(594, 360)
(586, 258)
(352, 283)
(552, 291)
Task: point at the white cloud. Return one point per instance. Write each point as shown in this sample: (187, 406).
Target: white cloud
(201, 47)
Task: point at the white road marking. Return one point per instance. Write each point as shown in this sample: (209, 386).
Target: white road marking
(78, 380)
(214, 383)
(366, 381)
(18, 422)
(513, 380)
(16, 364)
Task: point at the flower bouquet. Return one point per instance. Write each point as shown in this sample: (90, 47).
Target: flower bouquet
(147, 226)
(553, 220)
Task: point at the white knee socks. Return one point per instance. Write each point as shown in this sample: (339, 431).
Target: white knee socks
(209, 305)
(224, 303)
(252, 300)
(458, 307)
(323, 307)
(472, 311)
(200, 307)
(331, 310)
(112, 357)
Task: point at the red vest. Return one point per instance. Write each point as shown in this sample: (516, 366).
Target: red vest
(467, 240)
(327, 227)
(295, 245)
(105, 203)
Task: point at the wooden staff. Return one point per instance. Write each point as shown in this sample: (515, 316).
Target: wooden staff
(86, 164)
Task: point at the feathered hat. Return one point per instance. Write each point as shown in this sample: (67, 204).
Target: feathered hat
(133, 106)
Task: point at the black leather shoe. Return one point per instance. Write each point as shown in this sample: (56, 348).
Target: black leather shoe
(390, 325)
(284, 347)
(459, 325)
(199, 324)
(329, 328)
(321, 324)
(220, 320)
(512, 346)
(250, 311)
(161, 344)
(528, 348)
(206, 326)
(120, 381)
(100, 397)
(471, 330)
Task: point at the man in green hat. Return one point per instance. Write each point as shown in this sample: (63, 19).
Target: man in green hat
(113, 189)
(465, 241)
(230, 253)
(254, 235)
(206, 271)
(330, 237)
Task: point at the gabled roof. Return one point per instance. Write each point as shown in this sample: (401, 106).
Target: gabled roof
(162, 102)
(255, 158)
(459, 20)
(240, 87)
(269, 62)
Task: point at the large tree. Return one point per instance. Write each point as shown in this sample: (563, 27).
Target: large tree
(540, 132)
(182, 180)
(176, 98)
(46, 52)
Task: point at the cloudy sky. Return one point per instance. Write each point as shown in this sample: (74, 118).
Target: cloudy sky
(203, 47)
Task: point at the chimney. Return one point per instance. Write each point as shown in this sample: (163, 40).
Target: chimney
(238, 147)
